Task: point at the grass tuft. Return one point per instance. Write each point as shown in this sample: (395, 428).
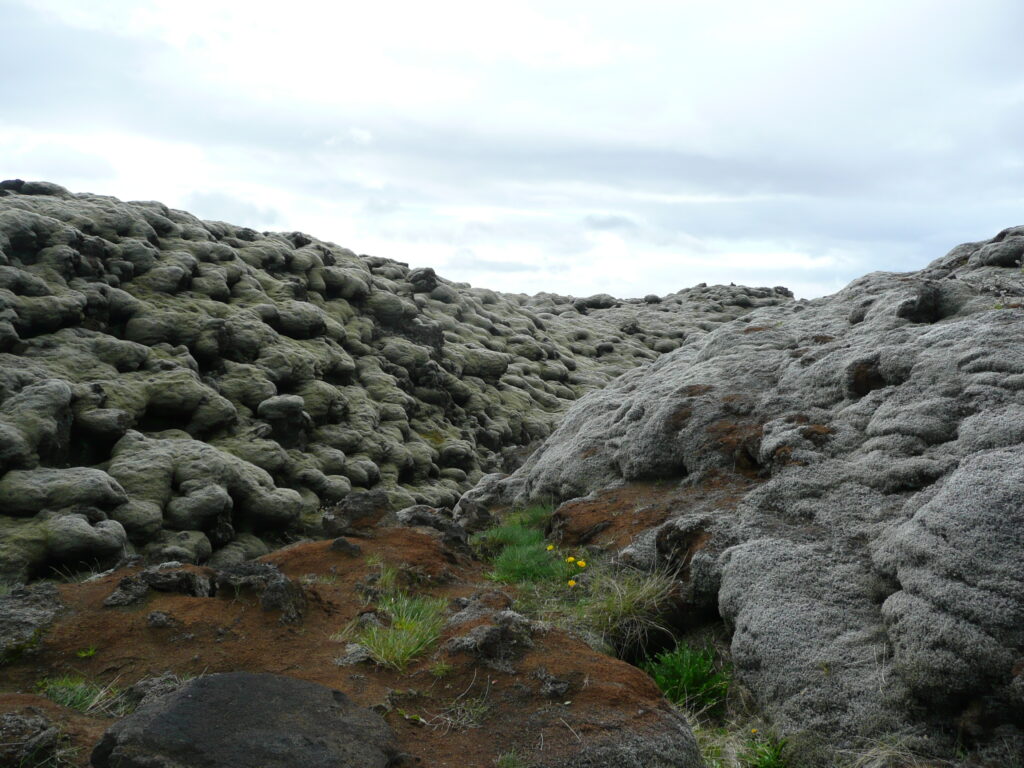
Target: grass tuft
(622, 608)
(691, 678)
(529, 563)
(510, 760)
(86, 697)
(764, 753)
(415, 624)
(86, 653)
(440, 670)
(898, 751)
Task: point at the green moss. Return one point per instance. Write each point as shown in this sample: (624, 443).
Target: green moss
(13, 653)
(434, 436)
(23, 544)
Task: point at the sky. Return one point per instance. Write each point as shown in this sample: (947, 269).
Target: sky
(574, 147)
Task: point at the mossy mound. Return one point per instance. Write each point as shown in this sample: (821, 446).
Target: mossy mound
(162, 375)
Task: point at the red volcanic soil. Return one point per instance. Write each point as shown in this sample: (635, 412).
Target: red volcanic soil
(231, 632)
(612, 517)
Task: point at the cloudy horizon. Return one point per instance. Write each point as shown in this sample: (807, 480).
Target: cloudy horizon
(563, 146)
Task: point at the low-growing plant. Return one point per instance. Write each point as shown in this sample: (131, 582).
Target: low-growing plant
(82, 571)
(900, 751)
(510, 760)
(624, 607)
(86, 653)
(463, 713)
(763, 753)
(521, 528)
(84, 696)
(386, 578)
(415, 624)
(690, 677)
(440, 669)
(535, 516)
(59, 755)
(529, 563)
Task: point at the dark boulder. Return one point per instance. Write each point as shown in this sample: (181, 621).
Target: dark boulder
(244, 719)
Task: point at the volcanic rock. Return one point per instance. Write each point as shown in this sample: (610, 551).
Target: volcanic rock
(240, 718)
(196, 382)
(871, 570)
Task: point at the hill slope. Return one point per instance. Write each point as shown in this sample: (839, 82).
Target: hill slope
(868, 558)
(196, 390)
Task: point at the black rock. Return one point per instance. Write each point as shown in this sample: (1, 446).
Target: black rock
(241, 719)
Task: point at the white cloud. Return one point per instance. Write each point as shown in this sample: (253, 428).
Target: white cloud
(570, 146)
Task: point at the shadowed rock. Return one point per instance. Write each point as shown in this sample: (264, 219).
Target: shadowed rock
(245, 719)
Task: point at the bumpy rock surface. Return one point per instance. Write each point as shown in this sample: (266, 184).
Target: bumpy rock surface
(189, 389)
(872, 573)
(27, 739)
(241, 718)
(25, 615)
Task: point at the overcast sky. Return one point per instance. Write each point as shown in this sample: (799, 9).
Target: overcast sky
(577, 147)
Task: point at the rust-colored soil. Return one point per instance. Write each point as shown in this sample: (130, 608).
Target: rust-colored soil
(613, 517)
(224, 633)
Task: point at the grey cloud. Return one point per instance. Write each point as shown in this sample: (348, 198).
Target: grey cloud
(602, 221)
(223, 207)
(57, 162)
(858, 186)
(381, 206)
(466, 259)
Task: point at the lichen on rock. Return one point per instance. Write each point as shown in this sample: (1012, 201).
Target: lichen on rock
(196, 382)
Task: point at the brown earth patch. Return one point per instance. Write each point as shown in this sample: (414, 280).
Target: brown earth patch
(816, 433)
(740, 442)
(679, 417)
(613, 517)
(231, 632)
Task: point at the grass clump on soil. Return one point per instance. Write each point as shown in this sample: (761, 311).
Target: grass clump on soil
(623, 607)
(510, 760)
(612, 608)
(691, 677)
(386, 578)
(84, 696)
(763, 753)
(414, 625)
(732, 746)
(518, 551)
(440, 670)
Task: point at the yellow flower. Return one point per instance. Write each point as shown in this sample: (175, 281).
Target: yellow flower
(581, 563)
(550, 547)
(572, 582)
(753, 730)
(570, 559)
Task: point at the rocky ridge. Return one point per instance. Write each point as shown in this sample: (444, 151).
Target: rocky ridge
(869, 565)
(836, 483)
(198, 391)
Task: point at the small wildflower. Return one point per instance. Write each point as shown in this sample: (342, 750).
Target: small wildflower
(550, 547)
(753, 730)
(581, 563)
(570, 559)
(572, 582)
